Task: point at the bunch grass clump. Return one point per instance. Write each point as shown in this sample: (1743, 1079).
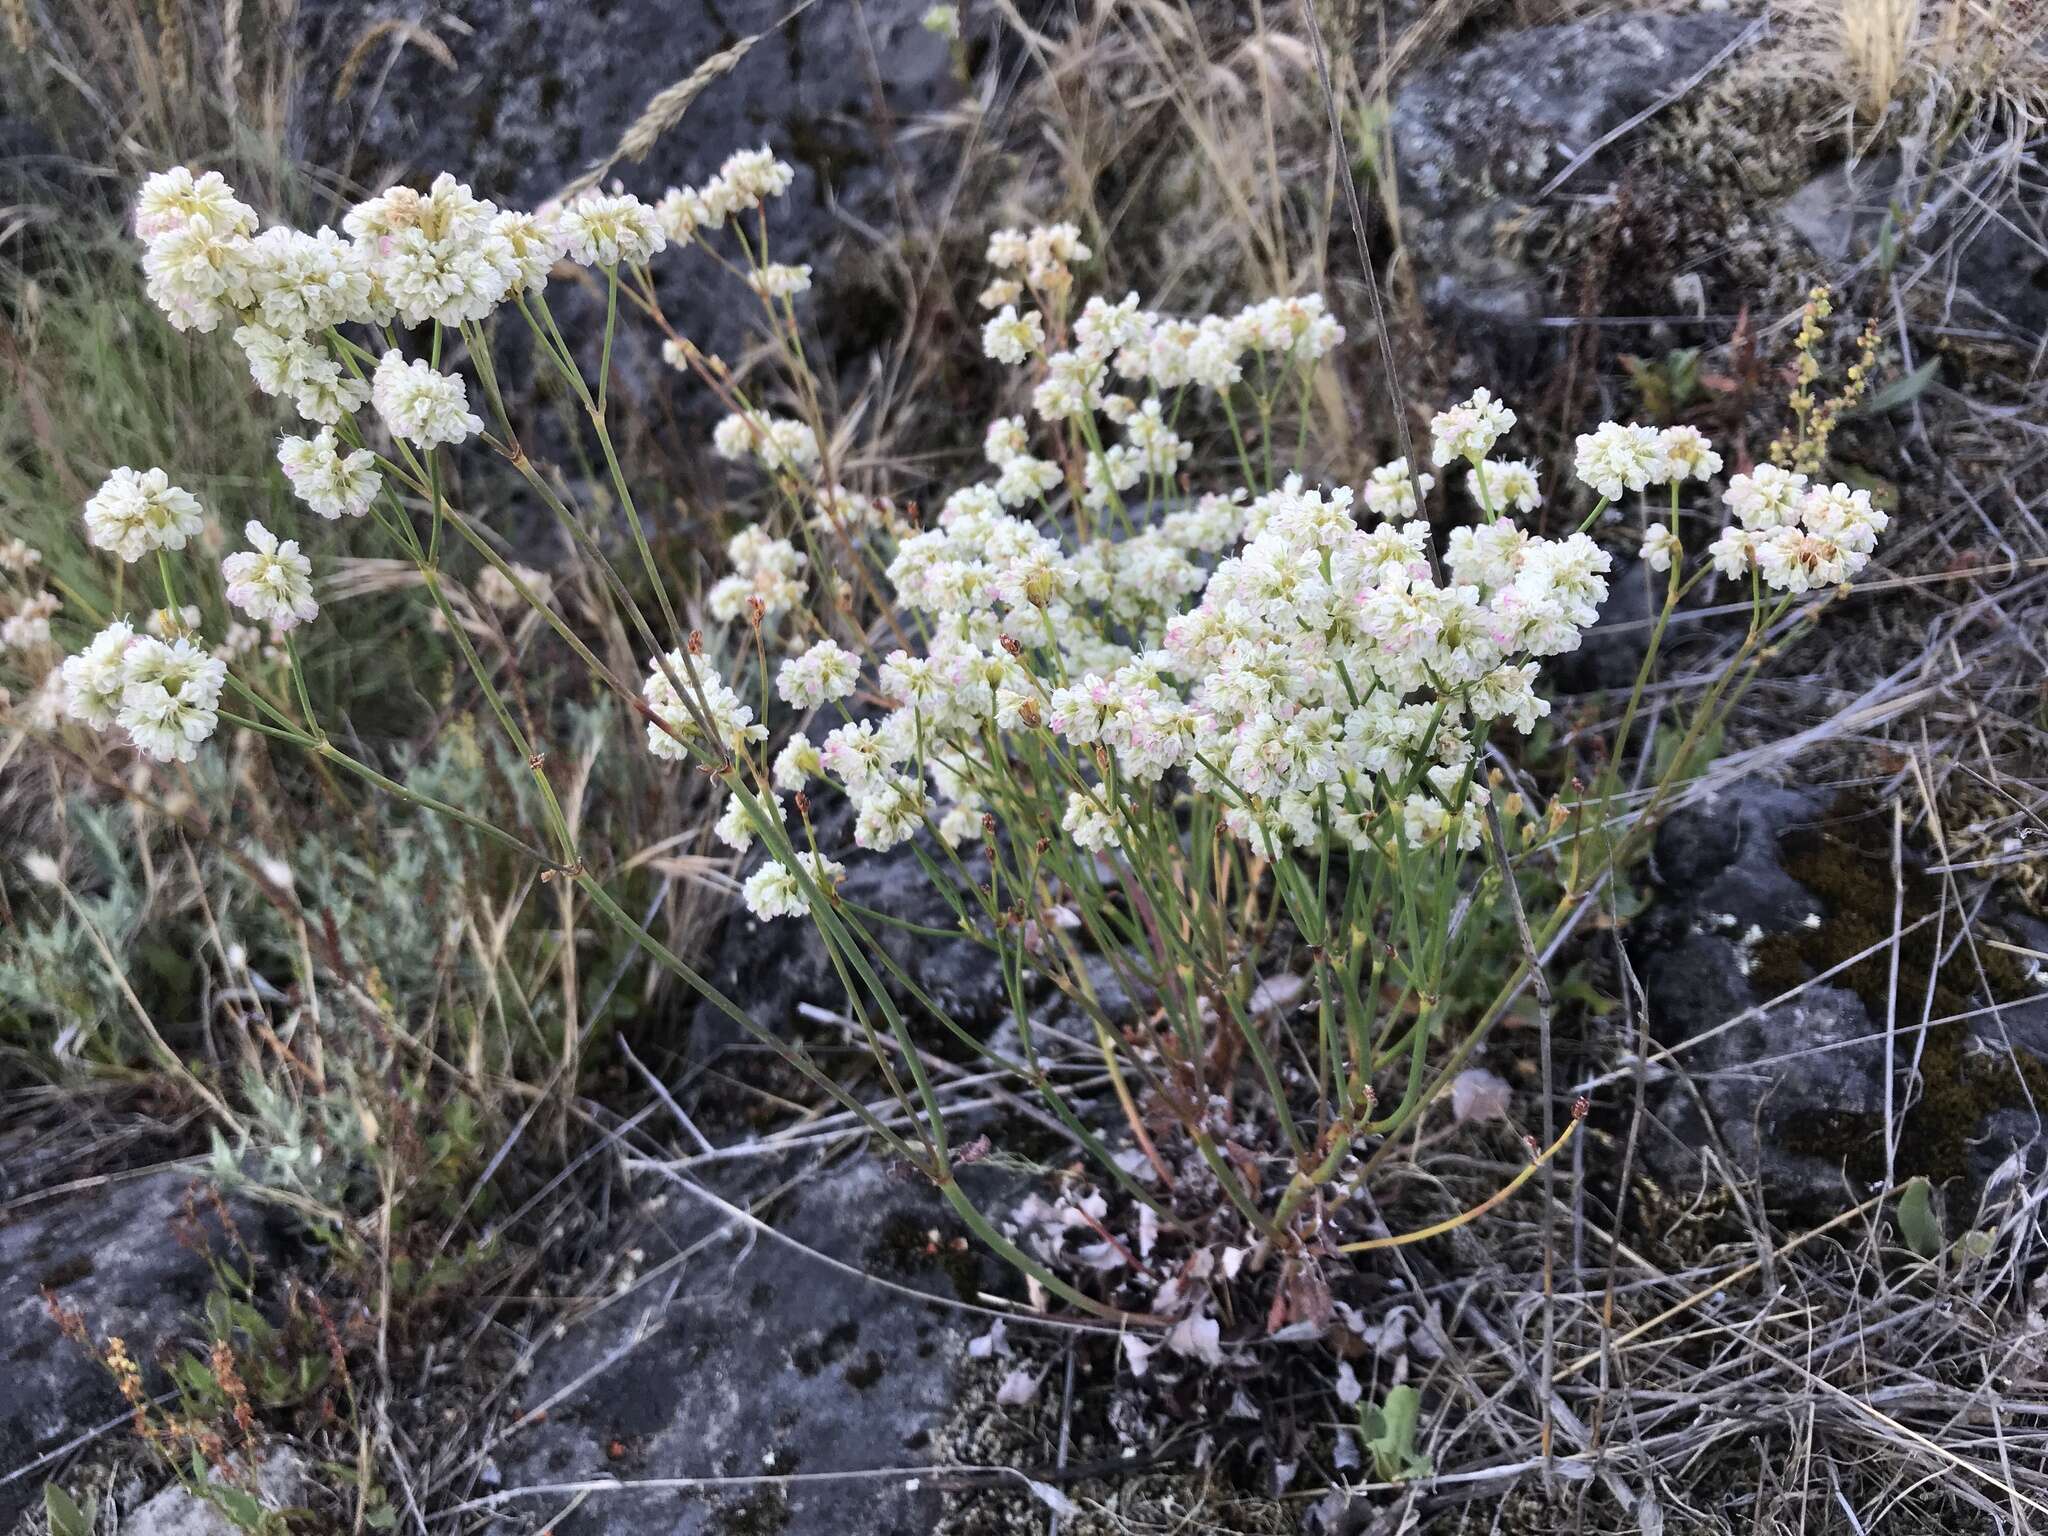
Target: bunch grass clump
(1148, 702)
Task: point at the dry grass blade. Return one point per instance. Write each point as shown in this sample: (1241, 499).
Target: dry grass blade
(1877, 36)
(666, 107)
(390, 26)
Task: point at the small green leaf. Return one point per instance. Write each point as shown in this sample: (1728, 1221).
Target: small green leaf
(1389, 1432)
(238, 1506)
(66, 1518)
(1901, 391)
(1918, 1223)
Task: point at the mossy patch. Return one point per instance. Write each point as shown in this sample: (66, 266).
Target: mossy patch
(1959, 1087)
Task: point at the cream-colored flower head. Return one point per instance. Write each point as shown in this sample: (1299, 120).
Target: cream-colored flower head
(420, 405)
(136, 512)
(271, 581)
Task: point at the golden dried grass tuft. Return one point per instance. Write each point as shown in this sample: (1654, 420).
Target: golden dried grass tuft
(1877, 37)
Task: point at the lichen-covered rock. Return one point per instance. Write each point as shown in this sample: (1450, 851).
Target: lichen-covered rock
(129, 1256)
(748, 1359)
(279, 1481)
(1478, 140)
(1992, 239)
(1765, 890)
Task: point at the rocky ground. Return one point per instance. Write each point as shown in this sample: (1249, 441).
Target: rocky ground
(792, 1338)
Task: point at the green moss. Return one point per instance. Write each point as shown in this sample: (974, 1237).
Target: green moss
(1959, 1088)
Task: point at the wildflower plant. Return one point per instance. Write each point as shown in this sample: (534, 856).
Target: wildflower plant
(1145, 701)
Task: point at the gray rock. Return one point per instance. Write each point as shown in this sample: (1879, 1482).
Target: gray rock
(177, 1511)
(1796, 1093)
(543, 89)
(114, 1255)
(1611, 652)
(749, 1358)
(1477, 140)
(1993, 242)
(771, 968)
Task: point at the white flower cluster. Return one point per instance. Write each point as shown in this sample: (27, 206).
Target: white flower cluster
(163, 693)
(773, 889)
(1137, 346)
(1616, 458)
(331, 483)
(443, 256)
(766, 570)
(136, 512)
(271, 582)
(1046, 255)
(1308, 672)
(28, 627)
(747, 180)
(778, 444)
(609, 229)
(704, 710)
(421, 405)
(825, 672)
(1795, 536)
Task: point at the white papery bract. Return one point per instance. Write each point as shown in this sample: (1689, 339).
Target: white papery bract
(271, 581)
(136, 512)
(420, 405)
